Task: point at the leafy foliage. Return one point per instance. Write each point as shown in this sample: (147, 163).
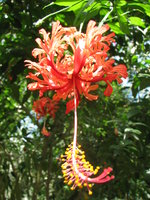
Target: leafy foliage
(113, 131)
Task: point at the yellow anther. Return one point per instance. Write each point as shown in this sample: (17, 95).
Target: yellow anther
(85, 184)
(97, 167)
(95, 171)
(70, 182)
(83, 156)
(72, 188)
(69, 156)
(63, 167)
(76, 177)
(90, 192)
(71, 175)
(76, 182)
(79, 146)
(77, 165)
(76, 151)
(82, 152)
(91, 169)
(62, 156)
(79, 185)
(76, 156)
(90, 185)
(64, 175)
(85, 166)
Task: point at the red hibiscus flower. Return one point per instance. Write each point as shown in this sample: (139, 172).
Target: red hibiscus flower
(72, 64)
(69, 58)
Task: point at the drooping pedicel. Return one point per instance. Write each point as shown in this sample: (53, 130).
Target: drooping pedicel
(77, 171)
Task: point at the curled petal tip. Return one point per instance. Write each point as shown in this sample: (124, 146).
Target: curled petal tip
(112, 177)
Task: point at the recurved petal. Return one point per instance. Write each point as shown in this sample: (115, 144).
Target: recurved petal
(90, 97)
(109, 38)
(121, 70)
(55, 28)
(37, 86)
(108, 91)
(42, 45)
(70, 105)
(37, 51)
(44, 33)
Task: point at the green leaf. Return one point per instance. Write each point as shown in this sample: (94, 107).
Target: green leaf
(134, 58)
(89, 13)
(80, 13)
(141, 6)
(122, 21)
(133, 112)
(67, 2)
(103, 12)
(121, 3)
(136, 21)
(70, 6)
(115, 28)
(144, 81)
(147, 61)
(105, 3)
(143, 75)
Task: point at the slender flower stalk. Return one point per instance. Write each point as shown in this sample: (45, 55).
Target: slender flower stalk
(75, 124)
(76, 170)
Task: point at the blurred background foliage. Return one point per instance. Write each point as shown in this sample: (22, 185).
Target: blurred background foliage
(113, 131)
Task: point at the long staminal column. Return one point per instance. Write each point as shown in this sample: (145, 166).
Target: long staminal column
(76, 170)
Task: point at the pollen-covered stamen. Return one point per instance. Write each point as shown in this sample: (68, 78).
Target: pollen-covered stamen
(78, 173)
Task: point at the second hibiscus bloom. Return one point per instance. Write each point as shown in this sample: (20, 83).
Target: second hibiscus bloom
(44, 107)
